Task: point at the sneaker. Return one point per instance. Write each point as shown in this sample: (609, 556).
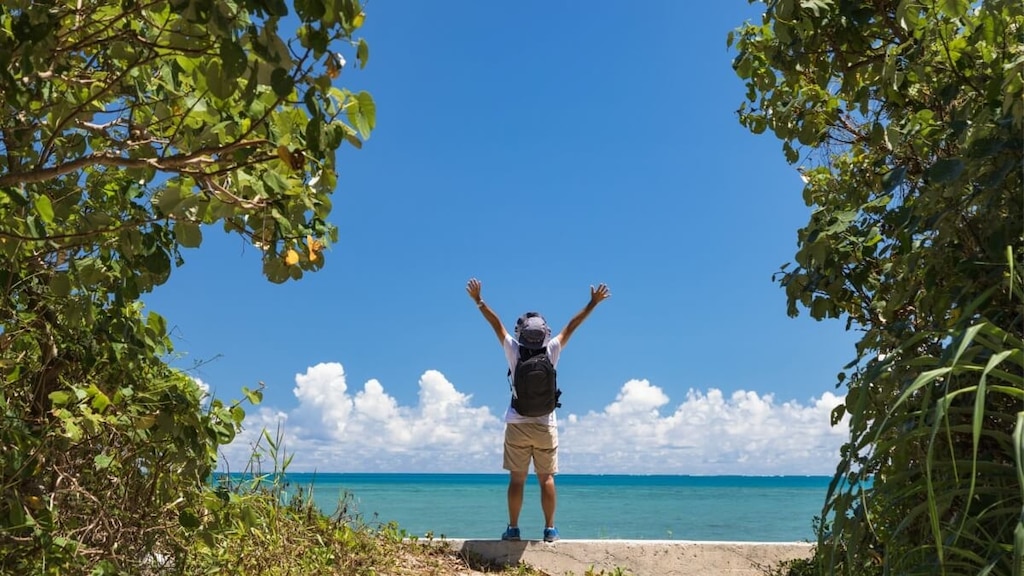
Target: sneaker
(550, 534)
(512, 534)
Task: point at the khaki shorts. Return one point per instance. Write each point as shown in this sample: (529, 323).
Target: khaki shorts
(524, 442)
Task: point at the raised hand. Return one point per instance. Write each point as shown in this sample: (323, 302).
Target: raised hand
(473, 288)
(599, 294)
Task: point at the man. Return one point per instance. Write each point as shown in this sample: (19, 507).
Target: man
(532, 437)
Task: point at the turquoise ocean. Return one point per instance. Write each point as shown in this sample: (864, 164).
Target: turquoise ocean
(707, 508)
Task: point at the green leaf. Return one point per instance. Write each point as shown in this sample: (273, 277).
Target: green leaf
(90, 271)
(253, 396)
(955, 8)
(309, 99)
(188, 519)
(219, 86)
(368, 110)
(893, 178)
(945, 170)
(102, 461)
(249, 517)
(44, 208)
(309, 10)
(363, 119)
(815, 6)
(276, 8)
(15, 512)
(351, 137)
(188, 234)
(281, 82)
(313, 136)
(168, 199)
(72, 430)
(60, 284)
(348, 8)
(15, 196)
(158, 264)
(275, 269)
(234, 60)
(792, 155)
(100, 401)
(362, 53)
(59, 398)
(277, 183)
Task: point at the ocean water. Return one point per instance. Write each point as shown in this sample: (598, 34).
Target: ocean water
(708, 508)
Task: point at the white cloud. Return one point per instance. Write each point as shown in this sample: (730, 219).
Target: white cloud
(334, 429)
(202, 386)
(205, 389)
(707, 433)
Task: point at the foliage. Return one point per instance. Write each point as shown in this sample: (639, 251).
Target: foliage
(796, 567)
(127, 128)
(108, 472)
(906, 120)
(254, 519)
(617, 571)
(128, 125)
(258, 518)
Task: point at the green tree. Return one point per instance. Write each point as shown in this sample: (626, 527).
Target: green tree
(906, 118)
(129, 128)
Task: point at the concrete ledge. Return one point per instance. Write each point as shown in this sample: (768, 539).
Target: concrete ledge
(639, 557)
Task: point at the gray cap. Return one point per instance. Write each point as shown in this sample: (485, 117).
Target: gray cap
(533, 333)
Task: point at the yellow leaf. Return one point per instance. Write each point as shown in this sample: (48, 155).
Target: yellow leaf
(357, 22)
(314, 247)
(284, 154)
(291, 257)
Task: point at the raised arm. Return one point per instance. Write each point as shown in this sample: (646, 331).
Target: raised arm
(473, 288)
(597, 295)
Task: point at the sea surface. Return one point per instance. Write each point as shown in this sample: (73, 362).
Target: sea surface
(707, 508)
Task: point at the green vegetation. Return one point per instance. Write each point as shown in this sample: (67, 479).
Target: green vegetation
(128, 129)
(906, 119)
(259, 524)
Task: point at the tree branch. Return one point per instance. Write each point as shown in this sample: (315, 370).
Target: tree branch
(89, 233)
(168, 163)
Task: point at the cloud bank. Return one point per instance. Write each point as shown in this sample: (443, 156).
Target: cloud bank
(335, 429)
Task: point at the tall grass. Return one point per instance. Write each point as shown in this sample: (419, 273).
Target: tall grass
(934, 469)
(258, 523)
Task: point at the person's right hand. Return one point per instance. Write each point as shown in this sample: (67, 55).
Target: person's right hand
(473, 288)
(598, 294)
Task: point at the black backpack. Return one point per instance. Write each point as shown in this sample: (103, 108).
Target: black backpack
(535, 383)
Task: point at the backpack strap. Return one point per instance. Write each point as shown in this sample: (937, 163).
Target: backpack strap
(520, 358)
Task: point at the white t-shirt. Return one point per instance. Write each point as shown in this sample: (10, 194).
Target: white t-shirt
(554, 349)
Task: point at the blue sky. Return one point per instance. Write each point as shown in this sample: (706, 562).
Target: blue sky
(542, 148)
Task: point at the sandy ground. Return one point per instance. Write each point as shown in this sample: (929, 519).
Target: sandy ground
(639, 557)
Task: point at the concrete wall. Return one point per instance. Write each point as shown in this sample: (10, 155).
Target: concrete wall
(639, 557)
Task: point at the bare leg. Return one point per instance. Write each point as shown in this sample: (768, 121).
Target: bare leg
(547, 498)
(516, 482)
